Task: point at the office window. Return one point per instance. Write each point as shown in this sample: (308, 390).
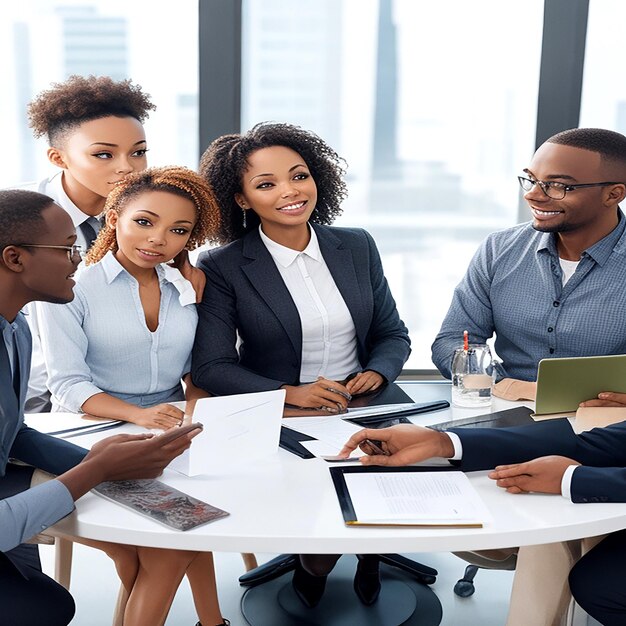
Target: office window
(433, 106)
(45, 41)
(603, 102)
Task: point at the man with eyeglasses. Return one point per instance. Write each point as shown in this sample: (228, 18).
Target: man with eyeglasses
(37, 260)
(553, 287)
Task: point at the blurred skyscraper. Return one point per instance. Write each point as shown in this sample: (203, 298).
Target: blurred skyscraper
(93, 44)
(291, 68)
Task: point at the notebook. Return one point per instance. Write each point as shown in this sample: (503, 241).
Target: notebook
(160, 502)
(562, 384)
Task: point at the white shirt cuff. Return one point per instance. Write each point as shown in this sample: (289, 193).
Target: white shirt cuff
(566, 482)
(458, 446)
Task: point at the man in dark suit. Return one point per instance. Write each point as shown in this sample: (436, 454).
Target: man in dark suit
(546, 457)
(37, 260)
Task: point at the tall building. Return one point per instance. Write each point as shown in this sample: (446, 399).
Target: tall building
(291, 65)
(23, 89)
(385, 157)
(93, 44)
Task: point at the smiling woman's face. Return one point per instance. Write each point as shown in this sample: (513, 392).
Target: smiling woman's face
(152, 228)
(279, 188)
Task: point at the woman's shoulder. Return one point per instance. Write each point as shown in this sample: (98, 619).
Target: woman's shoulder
(347, 235)
(87, 274)
(224, 254)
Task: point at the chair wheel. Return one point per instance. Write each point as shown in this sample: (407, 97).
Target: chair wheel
(464, 588)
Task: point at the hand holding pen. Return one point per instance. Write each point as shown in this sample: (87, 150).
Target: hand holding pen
(323, 394)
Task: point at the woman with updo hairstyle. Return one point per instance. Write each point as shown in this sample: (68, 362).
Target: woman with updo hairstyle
(94, 128)
(122, 347)
(292, 302)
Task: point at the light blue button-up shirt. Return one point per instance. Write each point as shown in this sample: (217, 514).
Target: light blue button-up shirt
(514, 288)
(100, 342)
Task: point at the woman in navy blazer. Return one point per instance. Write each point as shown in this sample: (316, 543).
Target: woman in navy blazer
(245, 296)
(279, 188)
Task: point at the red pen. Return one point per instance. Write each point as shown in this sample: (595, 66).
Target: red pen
(465, 340)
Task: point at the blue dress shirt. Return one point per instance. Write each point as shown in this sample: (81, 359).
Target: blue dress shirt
(100, 342)
(513, 288)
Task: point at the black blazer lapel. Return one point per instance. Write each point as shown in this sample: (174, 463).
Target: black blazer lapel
(340, 262)
(265, 278)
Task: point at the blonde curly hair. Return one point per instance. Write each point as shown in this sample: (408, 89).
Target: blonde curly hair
(180, 181)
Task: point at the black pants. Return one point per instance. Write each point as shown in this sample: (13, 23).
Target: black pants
(27, 596)
(30, 598)
(598, 580)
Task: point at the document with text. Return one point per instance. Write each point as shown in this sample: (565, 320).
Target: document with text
(442, 498)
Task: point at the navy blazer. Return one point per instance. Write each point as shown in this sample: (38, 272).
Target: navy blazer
(246, 297)
(602, 452)
(17, 440)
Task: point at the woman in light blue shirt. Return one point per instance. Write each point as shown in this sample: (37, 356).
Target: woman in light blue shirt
(121, 348)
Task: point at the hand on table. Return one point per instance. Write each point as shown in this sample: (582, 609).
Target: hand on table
(324, 394)
(403, 444)
(364, 382)
(607, 398)
(128, 457)
(194, 275)
(542, 475)
(161, 416)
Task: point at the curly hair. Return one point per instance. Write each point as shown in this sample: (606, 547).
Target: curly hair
(180, 181)
(226, 159)
(80, 99)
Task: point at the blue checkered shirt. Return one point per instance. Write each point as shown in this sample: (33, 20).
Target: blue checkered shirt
(513, 288)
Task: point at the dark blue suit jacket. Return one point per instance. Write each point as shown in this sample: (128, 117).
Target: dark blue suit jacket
(17, 440)
(602, 452)
(245, 294)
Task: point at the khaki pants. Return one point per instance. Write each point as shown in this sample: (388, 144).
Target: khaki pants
(540, 595)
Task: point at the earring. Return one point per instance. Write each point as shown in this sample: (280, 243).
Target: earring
(244, 218)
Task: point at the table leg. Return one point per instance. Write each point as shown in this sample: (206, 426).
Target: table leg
(402, 601)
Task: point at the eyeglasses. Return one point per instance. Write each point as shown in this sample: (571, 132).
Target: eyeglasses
(556, 191)
(71, 251)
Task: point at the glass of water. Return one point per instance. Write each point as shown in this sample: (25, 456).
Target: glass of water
(472, 376)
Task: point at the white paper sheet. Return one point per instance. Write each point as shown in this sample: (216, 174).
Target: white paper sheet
(440, 498)
(237, 429)
(322, 449)
(331, 430)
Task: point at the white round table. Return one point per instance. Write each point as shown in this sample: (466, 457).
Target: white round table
(285, 504)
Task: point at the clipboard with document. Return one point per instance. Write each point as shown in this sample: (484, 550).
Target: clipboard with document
(430, 497)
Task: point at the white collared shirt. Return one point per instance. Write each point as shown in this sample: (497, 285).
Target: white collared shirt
(328, 335)
(53, 187)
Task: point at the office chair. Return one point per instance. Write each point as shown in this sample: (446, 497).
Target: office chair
(287, 562)
(464, 587)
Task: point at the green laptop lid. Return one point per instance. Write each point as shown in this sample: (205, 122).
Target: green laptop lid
(562, 384)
